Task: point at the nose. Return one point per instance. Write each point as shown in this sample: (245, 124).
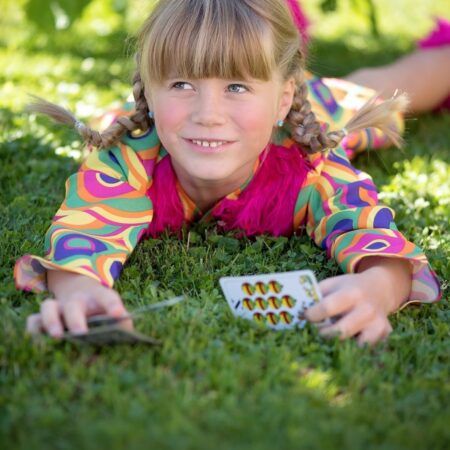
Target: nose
(209, 108)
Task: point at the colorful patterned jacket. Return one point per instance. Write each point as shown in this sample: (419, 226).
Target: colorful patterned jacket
(130, 192)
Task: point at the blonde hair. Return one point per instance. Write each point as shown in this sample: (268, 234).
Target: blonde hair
(232, 39)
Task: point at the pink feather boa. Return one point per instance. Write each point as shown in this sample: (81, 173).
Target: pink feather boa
(265, 206)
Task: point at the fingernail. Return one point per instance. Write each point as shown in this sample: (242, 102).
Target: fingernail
(321, 325)
(78, 330)
(116, 311)
(329, 334)
(310, 315)
(55, 331)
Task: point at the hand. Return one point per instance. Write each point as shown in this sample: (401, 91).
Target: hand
(361, 302)
(77, 297)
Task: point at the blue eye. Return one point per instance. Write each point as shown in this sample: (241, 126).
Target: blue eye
(179, 85)
(239, 86)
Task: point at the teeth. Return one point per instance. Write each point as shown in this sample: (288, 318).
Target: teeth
(209, 144)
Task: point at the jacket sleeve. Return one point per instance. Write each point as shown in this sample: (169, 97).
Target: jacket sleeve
(335, 101)
(101, 220)
(344, 218)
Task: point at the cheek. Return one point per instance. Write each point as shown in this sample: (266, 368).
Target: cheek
(256, 121)
(169, 117)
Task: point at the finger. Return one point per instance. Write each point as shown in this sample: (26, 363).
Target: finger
(51, 318)
(110, 302)
(336, 303)
(380, 330)
(74, 312)
(34, 324)
(113, 306)
(352, 323)
(126, 325)
(328, 285)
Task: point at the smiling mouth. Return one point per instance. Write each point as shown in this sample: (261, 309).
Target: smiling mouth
(208, 143)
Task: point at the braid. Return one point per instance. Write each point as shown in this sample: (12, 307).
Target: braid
(107, 138)
(139, 120)
(306, 130)
(141, 117)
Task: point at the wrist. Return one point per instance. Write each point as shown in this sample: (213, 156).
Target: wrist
(391, 277)
(61, 282)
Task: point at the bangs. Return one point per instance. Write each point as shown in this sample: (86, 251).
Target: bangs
(206, 39)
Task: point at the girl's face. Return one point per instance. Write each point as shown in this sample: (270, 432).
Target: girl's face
(215, 129)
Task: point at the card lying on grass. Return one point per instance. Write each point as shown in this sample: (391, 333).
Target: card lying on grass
(277, 300)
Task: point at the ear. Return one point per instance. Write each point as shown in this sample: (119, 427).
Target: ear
(148, 98)
(149, 104)
(286, 98)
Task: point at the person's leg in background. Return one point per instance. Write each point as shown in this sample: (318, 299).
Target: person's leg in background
(424, 75)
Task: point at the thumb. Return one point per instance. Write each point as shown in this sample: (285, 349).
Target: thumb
(111, 303)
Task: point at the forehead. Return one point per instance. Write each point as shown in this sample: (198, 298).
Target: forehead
(228, 45)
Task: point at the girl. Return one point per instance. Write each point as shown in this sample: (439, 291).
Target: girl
(223, 131)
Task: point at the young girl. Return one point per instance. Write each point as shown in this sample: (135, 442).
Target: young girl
(224, 131)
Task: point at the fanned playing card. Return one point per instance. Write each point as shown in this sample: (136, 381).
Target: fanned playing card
(111, 334)
(277, 300)
(106, 330)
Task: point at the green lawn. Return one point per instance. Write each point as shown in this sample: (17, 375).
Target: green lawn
(216, 382)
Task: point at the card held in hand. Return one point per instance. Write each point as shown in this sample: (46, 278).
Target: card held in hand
(277, 300)
(105, 330)
(110, 335)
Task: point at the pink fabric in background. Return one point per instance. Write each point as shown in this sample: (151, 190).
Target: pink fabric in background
(439, 37)
(300, 20)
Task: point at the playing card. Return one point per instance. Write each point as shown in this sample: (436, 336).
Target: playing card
(104, 330)
(111, 334)
(136, 313)
(277, 300)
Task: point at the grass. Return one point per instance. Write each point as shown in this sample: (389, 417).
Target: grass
(216, 382)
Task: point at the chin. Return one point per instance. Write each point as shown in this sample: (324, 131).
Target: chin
(210, 174)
